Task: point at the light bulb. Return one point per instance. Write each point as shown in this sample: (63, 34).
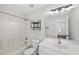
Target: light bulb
(70, 7)
(52, 13)
(56, 11)
(62, 10)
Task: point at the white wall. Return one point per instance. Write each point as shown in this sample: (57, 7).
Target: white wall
(12, 33)
(51, 23)
(74, 23)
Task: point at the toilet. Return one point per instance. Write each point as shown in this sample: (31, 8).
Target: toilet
(32, 50)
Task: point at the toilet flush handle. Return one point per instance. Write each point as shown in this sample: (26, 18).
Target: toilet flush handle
(26, 38)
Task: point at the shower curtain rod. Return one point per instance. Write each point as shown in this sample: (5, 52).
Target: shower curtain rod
(14, 15)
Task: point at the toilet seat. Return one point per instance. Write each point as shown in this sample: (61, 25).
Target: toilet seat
(29, 51)
(32, 50)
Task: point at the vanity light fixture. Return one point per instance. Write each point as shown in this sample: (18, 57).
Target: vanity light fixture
(62, 9)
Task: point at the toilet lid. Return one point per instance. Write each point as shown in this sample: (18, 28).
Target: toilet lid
(29, 51)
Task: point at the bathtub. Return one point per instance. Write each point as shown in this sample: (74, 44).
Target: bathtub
(50, 46)
(8, 47)
(16, 52)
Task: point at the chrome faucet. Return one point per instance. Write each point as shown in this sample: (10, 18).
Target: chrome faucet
(59, 41)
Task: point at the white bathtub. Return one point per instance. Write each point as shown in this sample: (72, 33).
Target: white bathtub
(8, 47)
(50, 46)
(16, 52)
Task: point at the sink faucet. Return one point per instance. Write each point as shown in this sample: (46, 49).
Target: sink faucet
(59, 41)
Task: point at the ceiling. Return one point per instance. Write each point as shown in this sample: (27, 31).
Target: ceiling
(25, 8)
(21, 8)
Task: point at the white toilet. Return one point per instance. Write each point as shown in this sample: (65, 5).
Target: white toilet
(32, 50)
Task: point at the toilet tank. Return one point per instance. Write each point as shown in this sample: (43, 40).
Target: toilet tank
(35, 43)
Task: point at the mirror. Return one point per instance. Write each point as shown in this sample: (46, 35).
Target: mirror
(36, 25)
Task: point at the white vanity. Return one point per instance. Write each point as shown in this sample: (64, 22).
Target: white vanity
(50, 46)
